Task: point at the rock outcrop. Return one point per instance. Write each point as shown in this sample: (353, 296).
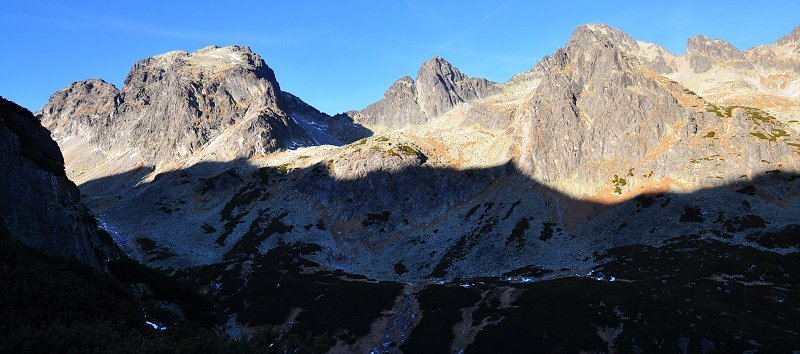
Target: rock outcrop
(784, 55)
(790, 38)
(41, 207)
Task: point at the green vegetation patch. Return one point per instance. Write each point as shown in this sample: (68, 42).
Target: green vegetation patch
(619, 182)
(762, 136)
(284, 168)
(518, 233)
(407, 150)
(714, 109)
(708, 158)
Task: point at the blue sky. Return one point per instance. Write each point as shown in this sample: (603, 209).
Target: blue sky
(341, 55)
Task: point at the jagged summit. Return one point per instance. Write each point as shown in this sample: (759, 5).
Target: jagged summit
(213, 59)
(80, 109)
(438, 87)
(223, 102)
(600, 31)
(714, 48)
(704, 53)
(792, 37)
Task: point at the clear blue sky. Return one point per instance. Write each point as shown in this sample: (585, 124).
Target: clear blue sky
(341, 55)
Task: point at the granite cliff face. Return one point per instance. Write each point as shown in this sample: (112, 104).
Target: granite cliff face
(614, 115)
(41, 207)
(601, 105)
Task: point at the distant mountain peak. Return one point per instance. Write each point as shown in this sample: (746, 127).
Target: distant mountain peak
(704, 52)
(717, 48)
(791, 37)
(599, 32)
(175, 104)
(440, 66)
(438, 87)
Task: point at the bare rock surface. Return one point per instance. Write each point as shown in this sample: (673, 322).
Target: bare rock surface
(439, 87)
(41, 207)
(177, 104)
(704, 52)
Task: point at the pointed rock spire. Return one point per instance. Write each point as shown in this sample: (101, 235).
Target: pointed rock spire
(440, 86)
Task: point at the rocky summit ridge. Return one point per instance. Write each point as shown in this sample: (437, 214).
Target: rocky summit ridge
(178, 104)
(438, 87)
(603, 120)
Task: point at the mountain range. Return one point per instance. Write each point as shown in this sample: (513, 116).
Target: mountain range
(455, 213)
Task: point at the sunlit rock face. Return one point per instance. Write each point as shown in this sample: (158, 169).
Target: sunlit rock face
(439, 87)
(176, 104)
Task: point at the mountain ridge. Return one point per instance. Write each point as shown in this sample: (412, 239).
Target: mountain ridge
(591, 122)
(613, 174)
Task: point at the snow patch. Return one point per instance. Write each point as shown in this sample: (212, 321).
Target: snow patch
(315, 130)
(155, 326)
(123, 242)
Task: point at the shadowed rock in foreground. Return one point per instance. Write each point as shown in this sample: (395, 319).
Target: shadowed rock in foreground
(40, 207)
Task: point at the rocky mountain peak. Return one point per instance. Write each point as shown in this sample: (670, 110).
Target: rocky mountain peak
(713, 48)
(602, 33)
(208, 61)
(704, 52)
(441, 67)
(790, 38)
(404, 85)
(174, 104)
(717, 49)
(588, 38)
(594, 96)
(439, 87)
(79, 108)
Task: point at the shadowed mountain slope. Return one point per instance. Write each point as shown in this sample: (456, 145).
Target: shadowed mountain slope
(41, 207)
